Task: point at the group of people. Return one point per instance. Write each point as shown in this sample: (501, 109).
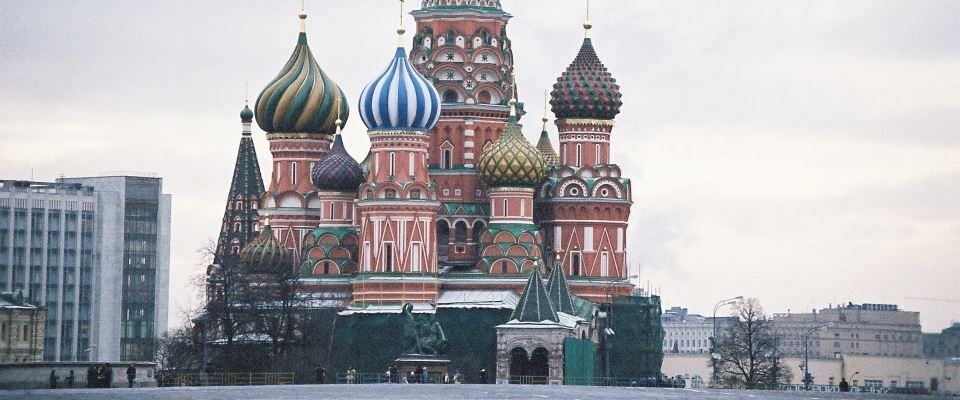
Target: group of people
(98, 376)
(393, 375)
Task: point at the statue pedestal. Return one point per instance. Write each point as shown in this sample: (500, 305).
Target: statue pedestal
(436, 366)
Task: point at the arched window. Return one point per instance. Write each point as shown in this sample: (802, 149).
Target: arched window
(235, 250)
(238, 205)
(484, 97)
(450, 96)
(575, 264)
(326, 267)
(236, 226)
(503, 267)
(393, 164)
(389, 194)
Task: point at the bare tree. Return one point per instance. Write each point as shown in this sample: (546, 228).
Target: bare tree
(749, 354)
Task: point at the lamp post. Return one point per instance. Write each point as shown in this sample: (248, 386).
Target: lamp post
(713, 354)
(806, 354)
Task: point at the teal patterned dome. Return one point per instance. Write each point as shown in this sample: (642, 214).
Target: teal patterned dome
(246, 115)
(265, 254)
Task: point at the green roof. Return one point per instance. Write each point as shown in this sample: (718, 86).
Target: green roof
(559, 292)
(534, 303)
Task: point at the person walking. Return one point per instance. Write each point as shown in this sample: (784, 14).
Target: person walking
(321, 375)
(386, 376)
(483, 376)
(844, 386)
(70, 379)
(131, 375)
(53, 379)
(425, 376)
(395, 373)
(108, 373)
(446, 378)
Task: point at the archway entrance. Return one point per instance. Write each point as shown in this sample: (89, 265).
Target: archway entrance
(529, 370)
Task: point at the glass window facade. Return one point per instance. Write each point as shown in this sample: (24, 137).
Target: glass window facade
(141, 210)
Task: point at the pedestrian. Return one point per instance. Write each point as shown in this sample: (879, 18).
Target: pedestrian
(108, 376)
(483, 376)
(131, 375)
(100, 376)
(70, 379)
(844, 386)
(395, 373)
(53, 379)
(457, 377)
(321, 377)
(418, 374)
(411, 378)
(446, 378)
(424, 376)
(386, 376)
(350, 375)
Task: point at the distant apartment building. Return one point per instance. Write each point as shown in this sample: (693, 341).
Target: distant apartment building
(853, 329)
(686, 333)
(21, 328)
(95, 253)
(945, 344)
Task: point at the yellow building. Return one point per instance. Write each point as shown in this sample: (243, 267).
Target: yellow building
(21, 329)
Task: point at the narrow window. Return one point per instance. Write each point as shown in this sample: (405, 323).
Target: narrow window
(326, 267)
(293, 172)
(504, 207)
(415, 194)
(390, 194)
(393, 164)
(575, 268)
(604, 264)
(503, 267)
(332, 211)
(579, 153)
(597, 155)
(388, 257)
(366, 256)
(410, 164)
(447, 159)
(415, 257)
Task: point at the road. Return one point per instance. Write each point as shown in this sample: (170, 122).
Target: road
(433, 392)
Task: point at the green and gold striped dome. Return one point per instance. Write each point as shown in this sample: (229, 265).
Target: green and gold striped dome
(265, 254)
(302, 98)
(512, 161)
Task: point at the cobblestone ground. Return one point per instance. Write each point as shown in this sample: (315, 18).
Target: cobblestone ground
(432, 392)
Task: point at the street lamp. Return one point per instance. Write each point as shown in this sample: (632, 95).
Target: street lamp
(714, 356)
(806, 353)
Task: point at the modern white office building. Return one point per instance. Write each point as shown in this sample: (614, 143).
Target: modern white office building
(95, 252)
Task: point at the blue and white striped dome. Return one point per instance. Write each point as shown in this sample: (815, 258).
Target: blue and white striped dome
(400, 99)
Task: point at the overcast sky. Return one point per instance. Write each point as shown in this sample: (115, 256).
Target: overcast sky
(804, 152)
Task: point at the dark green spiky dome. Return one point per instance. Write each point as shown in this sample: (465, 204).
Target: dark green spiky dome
(512, 161)
(265, 254)
(586, 89)
(246, 115)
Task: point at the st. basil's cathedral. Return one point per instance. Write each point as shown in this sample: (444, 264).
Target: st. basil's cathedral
(452, 207)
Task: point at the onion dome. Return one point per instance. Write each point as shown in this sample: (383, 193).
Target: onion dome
(337, 171)
(246, 115)
(586, 89)
(265, 254)
(400, 99)
(302, 98)
(512, 161)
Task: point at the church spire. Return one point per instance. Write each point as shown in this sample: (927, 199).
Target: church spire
(240, 216)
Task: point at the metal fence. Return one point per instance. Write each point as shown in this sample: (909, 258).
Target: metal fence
(362, 378)
(226, 379)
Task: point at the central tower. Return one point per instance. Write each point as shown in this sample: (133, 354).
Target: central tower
(398, 202)
(462, 47)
